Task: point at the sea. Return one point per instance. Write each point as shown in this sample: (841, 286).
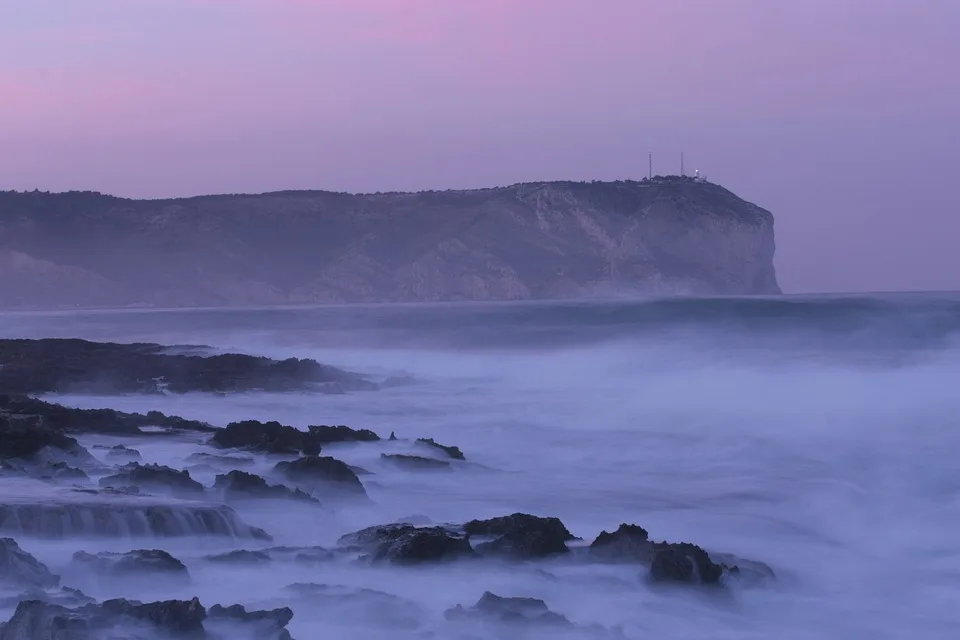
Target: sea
(817, 434)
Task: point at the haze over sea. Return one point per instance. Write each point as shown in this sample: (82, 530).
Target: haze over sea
(815, 434)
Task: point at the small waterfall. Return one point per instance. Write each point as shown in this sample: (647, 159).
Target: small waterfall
(123, 520)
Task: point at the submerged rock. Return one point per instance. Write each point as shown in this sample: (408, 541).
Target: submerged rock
(240, 485)
(235, 620)
(214, 460)
(453, 452)
(358, 606)
(155, 477)
(20, 569)
(521, 536)
(240, 557)
(494, 608)
(321, 473)
(415, 463)
(408, 544)
(121, 452)
(139, 562)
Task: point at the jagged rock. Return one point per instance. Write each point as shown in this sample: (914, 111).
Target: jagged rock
(240, 556)
(495, 608)
(453, 452)
(323, 434)
(138, 562)
(521, 536)
(629, 543)
(273, 437)
(64, 596)
(154, 477)
(54, 365)
(62, 471)
(108, 421)
(408, 544)
(240, 485)
(321, 473)
(393, 437)
(20, 569)
(684, 563)
(415, 463)
(261, 625)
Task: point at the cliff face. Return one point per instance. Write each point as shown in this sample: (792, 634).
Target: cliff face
(536, 240)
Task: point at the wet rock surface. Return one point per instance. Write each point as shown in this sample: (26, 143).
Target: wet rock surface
(274, 437)
(136, 563)
(521, 535)
(415, 463)
(323, 475)
(452, 452)
(20, 569)
(409, 544)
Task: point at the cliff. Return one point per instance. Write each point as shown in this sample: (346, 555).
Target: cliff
(535, 240)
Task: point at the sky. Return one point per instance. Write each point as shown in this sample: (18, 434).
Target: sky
(842, 117)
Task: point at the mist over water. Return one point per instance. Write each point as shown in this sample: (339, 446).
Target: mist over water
(816, 435)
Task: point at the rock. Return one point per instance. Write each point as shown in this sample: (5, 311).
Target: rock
(136, 563)
(120, 452)
(107, 421)
(63, 471)
(54, 365)
(262, 625)
(321, 473)
(113, 619)
(393, 436)
(155, 477)
(302, 555)
(629, 543)
(453, 452)
(322, 434)
(521, 536)
(240, 485)
(122, 619)
(269, 437)
(240, 557)
(495, 608)
(20, 569)
(273, 437)
(408, 544)
(27, 438)
(64, 596)
(683, 563)
(415, 463)
(749, 572)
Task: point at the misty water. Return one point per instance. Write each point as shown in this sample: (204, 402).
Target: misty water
(817, 435)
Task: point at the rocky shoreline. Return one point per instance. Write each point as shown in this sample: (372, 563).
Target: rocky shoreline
(107, 491)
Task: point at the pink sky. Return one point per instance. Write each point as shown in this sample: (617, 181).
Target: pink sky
(840, 116)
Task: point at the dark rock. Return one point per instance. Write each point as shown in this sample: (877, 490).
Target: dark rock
(683, 563)
(408, 544)
(629, 543)
(240, 557)
(154, 477)
(317, 472)
(176, 616)
(55, 365)
(240, 485)
(20, 569)
(64, 596)
(70, 420)
(393, 436)
(521, 536)
(453, 452)
(415, 463)
(302, 555)
(262, 625)
(495, 608)
(749, 572)
(63, 471)
(27, 438)
(139, 562)
(323, 434)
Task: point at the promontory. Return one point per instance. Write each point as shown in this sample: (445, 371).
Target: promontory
(526, 241)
